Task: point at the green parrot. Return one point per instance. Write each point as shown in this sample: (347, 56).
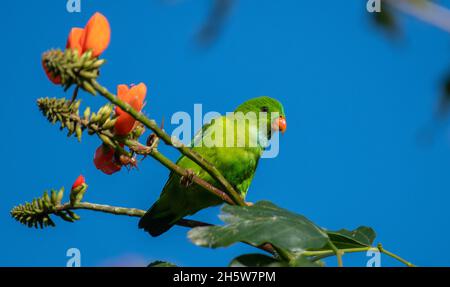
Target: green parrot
(221, 142)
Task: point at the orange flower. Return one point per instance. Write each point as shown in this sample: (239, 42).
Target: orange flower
(78, 182)
(133, 96)
(95, 36)
(104, 160)
(74, 39)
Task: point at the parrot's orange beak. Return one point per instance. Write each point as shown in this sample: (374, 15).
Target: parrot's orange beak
(279, 124)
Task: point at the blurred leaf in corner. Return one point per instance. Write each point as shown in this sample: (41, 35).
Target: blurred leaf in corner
(438, 123)
(385, 19)
(213, 26)
(444, 103)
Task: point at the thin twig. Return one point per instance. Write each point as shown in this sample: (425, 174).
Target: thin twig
(388, 253)
(75, 94)
(321, 254)
(337, 252)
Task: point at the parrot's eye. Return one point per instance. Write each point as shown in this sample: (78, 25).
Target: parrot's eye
(264, 109)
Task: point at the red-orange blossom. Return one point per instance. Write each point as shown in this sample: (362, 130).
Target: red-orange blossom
(135, 97)
(95, 36)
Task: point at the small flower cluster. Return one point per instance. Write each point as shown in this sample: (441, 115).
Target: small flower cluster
(95, 38)
(106, 159)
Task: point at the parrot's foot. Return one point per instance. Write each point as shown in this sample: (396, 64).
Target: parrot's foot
(188, 179)
(249, 203)
(152, 141)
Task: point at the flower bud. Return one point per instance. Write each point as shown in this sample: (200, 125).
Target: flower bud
(78, 189)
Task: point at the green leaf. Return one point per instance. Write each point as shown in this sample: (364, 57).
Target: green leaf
(161, 264)
(363, 236)
(261, 223)
(256, 260)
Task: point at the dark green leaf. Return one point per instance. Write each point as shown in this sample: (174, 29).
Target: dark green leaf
(361, 237)
(261, 223)
(256, 260)
(260, 260)
(161, 264)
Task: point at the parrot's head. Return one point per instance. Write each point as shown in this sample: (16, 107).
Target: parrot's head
(268, 110)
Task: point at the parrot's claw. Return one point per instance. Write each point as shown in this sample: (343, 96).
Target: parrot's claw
(152, 140)
(249, 203)
(188, 179)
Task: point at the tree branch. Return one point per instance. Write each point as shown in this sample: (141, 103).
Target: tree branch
(195, 157)
(152, 151)
(135, 146)
(134, 212)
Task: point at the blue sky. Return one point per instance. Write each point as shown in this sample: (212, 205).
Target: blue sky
(355, 105)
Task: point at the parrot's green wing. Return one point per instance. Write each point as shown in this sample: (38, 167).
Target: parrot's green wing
(237, 165)
(222, 146)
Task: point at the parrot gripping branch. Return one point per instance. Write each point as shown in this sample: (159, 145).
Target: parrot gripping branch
(151, 124)
(83, 72)
(101, 123)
